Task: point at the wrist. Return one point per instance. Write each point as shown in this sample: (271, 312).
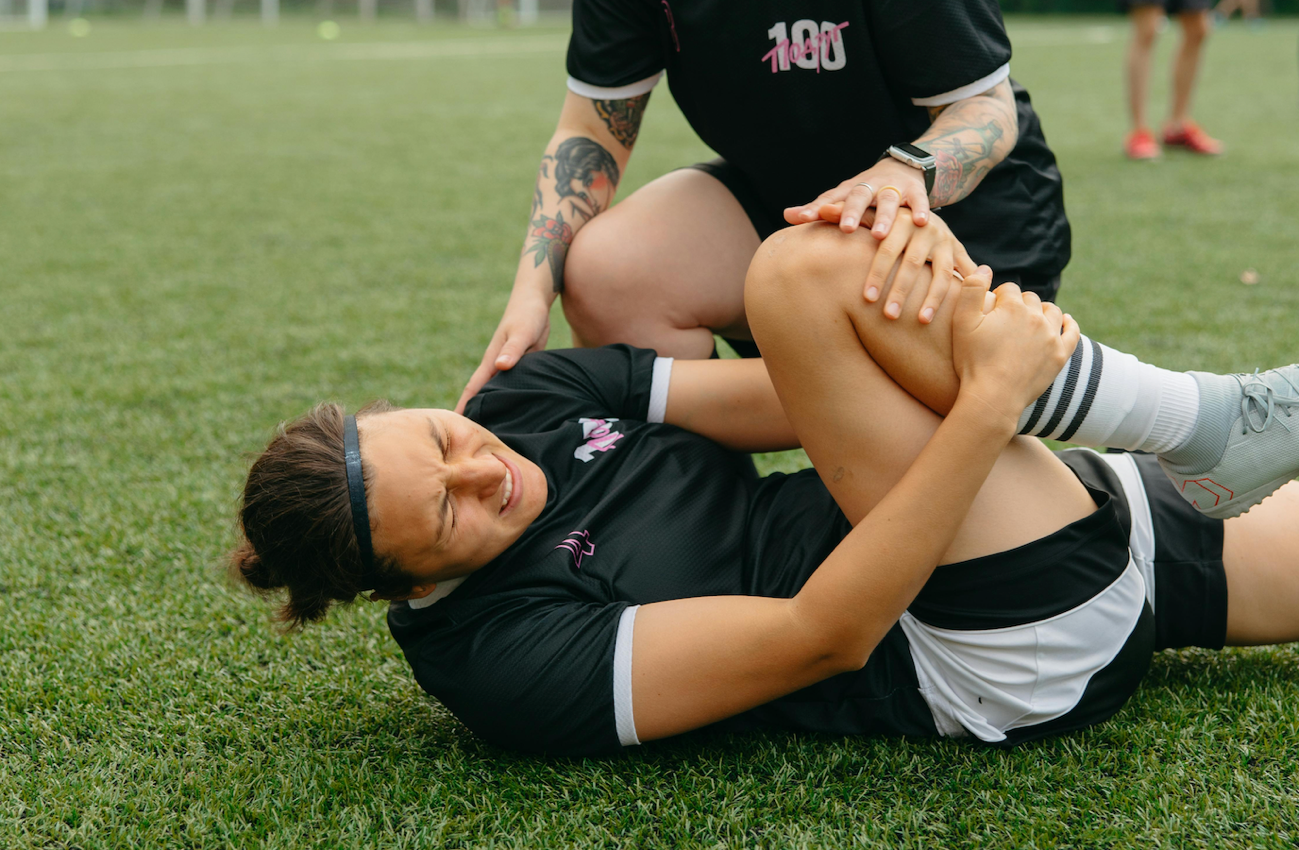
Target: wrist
(984, 412)
(915, 159)
(889, 171)
(533, 285)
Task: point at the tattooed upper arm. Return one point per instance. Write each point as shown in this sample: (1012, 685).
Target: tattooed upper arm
(623, 117)
(1001, 91)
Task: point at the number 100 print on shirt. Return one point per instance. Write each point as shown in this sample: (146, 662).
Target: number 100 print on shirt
(813, 46)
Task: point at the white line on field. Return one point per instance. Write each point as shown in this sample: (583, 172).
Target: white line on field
(1061, 36)
(185, 56)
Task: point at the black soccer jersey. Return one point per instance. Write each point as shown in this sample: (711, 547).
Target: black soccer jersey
(802, 94)
(637, 512)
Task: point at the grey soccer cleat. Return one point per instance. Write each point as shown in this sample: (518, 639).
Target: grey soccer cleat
(1245, 444)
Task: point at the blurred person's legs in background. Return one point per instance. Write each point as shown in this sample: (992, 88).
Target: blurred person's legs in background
(1180, 131)
(1147, 18)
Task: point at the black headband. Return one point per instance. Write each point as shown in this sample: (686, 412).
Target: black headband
(356, 491)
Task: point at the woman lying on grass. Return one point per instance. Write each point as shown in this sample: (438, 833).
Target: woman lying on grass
(588, 561)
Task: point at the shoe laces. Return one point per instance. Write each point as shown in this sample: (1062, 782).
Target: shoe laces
(1259, 401)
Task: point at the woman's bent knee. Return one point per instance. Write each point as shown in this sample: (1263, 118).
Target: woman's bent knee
(809, 267)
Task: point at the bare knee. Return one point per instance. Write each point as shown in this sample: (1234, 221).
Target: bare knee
(1144, 39)
(1146, 21)
(1195, 28)
(808, 268)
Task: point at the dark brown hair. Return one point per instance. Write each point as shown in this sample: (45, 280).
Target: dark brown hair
(296, 522)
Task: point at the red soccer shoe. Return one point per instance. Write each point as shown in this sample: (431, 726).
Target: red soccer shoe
(1191, 137)
(1141, 145)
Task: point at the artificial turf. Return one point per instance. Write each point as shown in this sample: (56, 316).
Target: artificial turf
(202, 232)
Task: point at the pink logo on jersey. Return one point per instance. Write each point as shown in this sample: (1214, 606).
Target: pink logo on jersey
(822, 47)
(599, 438)
(579, 545)
(672, 24)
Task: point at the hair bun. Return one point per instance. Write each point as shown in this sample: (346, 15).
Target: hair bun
(247, 566)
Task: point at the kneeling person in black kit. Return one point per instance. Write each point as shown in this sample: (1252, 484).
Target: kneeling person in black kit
(588, 561)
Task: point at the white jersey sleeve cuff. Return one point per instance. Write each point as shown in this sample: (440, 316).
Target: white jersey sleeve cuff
(622, 713)
(979, 86)
(636, 89)
(658, 401)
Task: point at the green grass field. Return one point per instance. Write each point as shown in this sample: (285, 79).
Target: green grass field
(204, 232)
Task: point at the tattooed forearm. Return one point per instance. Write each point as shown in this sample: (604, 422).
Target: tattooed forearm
(623, 117)
(579, 178)
(586, 176)
(968, 139)
(962, 160)
(548, 239)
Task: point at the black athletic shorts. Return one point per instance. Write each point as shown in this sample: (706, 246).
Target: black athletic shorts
(767, 221)
(1056, 635)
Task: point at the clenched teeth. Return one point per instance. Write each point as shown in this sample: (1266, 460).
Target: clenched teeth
(509, 489)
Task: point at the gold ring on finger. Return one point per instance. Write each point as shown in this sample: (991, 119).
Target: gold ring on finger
(884, 189)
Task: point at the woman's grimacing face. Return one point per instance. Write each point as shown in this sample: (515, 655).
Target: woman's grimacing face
(445, 495)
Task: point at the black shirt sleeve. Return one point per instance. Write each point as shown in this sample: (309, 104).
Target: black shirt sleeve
(547, 388)
(523, 673)
(614, 42)
(931, 47)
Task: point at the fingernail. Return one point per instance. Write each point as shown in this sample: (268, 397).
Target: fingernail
(893, 310)
(808, 214)
(927, 315)
(872, 293)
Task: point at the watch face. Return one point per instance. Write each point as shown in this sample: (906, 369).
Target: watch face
(912, 150)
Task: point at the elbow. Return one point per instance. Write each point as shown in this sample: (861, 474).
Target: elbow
(847, 662)
(832, 647)
(852, 653)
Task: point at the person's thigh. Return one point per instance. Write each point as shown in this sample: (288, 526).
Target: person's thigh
(663, 269)
(1260, 551)
(859, 427)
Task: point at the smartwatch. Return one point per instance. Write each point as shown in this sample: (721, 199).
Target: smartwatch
(916, 157)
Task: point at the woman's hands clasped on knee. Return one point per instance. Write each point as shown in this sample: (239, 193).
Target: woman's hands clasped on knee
(910, 247)
(1008, 353)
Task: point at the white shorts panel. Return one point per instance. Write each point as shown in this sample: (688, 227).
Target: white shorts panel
(988, 682)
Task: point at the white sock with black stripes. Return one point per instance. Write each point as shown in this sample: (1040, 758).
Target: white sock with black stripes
(1104, 397)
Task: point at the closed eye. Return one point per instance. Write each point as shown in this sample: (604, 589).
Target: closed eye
(443, 439)
(446, 453)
